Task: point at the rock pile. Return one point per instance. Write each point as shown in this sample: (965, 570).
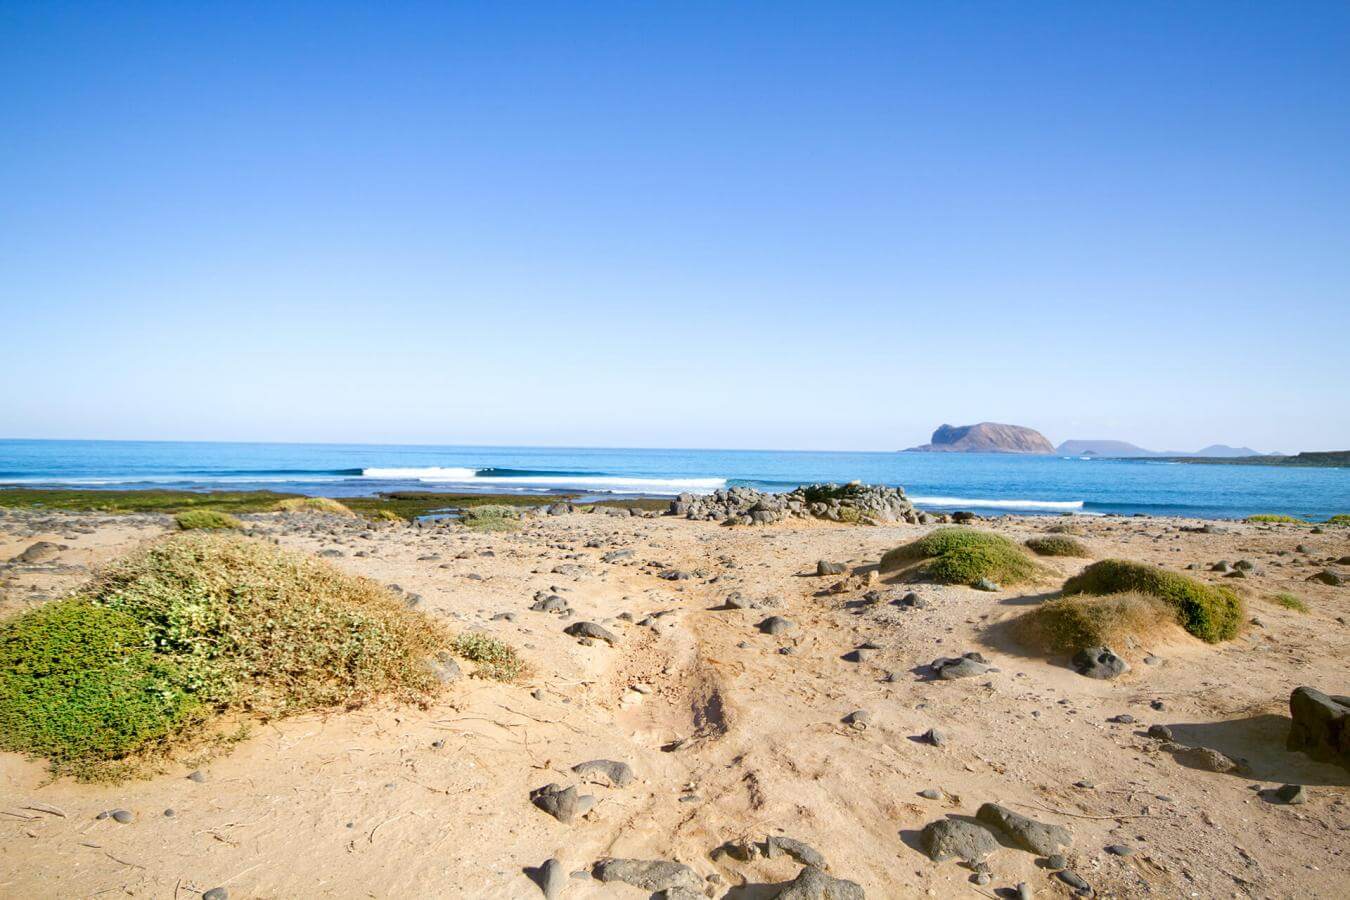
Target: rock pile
(854, 502)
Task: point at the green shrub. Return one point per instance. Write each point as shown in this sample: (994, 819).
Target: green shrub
(1210, 613)
(1339, 519)
(194, 625)
(493, 658)
(1289, 601)
(964, 556)
(386, 515)
(315, 504)
(1274, 518)
(1119, 621)
(1057, 545)
(491, 518)
(206, 518)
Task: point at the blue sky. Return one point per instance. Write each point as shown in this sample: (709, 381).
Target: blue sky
(799, 225)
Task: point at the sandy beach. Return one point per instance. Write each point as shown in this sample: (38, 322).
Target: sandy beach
(733, 734)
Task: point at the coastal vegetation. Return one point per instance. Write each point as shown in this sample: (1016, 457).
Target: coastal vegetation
(491, 517)
(1070, 624)
(1209, 612)
(397, 504)
(151, 656)
(1275, 519)
(1339, 519)
(1058, 545)
(314, 504)
(206, 518)
(492, 658)
(964, 556)
(1289, 601)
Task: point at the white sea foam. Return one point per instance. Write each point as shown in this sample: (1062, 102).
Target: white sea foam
(429, 473)
(998, 504)
(606, 483)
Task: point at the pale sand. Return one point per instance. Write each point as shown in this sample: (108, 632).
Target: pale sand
(360, 804)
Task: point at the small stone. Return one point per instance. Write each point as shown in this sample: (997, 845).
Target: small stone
(122, 816)
(216, 893)
(1056, 861)
(935, 736)
(957, 838)
(1099, 662)
(1160, 732)
(552, 878)
(1120, 850)
(198, 776)
(859, 719)
(985, 584)
(824, 567)
(1075, 881)
(616, 774)
(930, 794)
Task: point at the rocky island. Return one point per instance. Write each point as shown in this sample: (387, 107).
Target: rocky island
(986, 437)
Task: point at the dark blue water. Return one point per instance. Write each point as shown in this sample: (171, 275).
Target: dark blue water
(983, 482)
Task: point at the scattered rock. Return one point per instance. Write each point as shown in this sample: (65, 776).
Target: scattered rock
(592, 631)
(1321, 726)
(563, 804)
(986, 584)
(1120, 850)
(1292, 794)
(965, 666)
(551, 878)
(649, 874)
(776, 625)
(1160, 732)
(1205, 758)
(1099, 662)
(617, 774)
(824, 567)
(935, 736)
(812, 883)
(1329, 577)
(216, 893)
(1033, 836)
(957, 838)
(859, 719)
(803, 853)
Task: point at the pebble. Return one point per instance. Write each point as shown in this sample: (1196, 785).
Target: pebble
(216, 893)
(1120, 850)
(930, 794)
(122, 816)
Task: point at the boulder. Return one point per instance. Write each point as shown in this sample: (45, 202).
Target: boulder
(812, 883)
(969, 842)
(1321, 726)
(1099, 662)
(1027, 833)
(649, 874)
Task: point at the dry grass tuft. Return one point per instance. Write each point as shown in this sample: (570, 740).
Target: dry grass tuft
(1122, 622)
(315, 504)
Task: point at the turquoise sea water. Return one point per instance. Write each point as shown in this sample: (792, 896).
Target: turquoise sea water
(985, 483)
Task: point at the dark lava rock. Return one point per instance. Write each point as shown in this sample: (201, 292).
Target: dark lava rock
(563, 804)
(593, 631)
(1321, 726)
(1035, 837)
(1293, 794)
(649, 874)
(1160, 732)
(785, 846)
(617, 774)
(965, 666)
(1099, 662)
(1327, 576)
(957, 839)
(813, 884)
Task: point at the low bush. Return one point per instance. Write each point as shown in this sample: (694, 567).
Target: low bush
(1119, 621)
(1210, 613)
(491, 518)
(1057, 545)
(964, 556)
(1339, 519)
(1274, 518)
(315, 504)
(1289, 601)
(206, 518)
(491, 657)
(193, 626)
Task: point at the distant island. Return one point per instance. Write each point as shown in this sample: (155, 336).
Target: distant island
(1125, 450)
(986, 437)
(1334, 459)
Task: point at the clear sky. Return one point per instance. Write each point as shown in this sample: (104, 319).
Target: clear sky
(779, 224)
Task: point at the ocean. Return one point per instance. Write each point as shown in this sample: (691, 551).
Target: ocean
(984, 483)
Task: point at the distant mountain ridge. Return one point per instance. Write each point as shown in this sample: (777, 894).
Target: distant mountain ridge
(986, 437)
(1126, 450)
